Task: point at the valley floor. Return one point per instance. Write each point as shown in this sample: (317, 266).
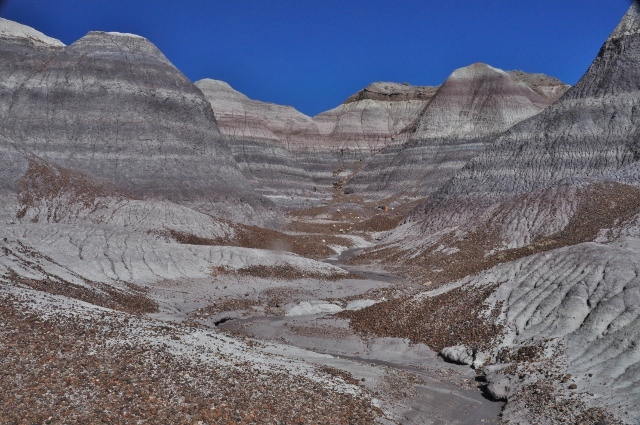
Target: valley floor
(257, 345)
(264, 337)
(412, 384)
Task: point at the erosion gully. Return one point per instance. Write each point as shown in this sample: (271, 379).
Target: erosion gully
(412, 382)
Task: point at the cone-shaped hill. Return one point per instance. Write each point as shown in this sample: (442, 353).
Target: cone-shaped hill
(112, 105)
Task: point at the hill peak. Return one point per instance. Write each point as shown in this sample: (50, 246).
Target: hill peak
(11, 29)
(630, 23)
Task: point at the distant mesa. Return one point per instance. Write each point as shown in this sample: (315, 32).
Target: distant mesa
(386, 91)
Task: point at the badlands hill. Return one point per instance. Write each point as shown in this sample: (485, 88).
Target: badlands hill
(243, 118)
(141, 278)
(113, 106)
(367, 121)
(361, 144)
(585, 138)
(286, 154)
(24, 51)
(543, 227)
(265, 140)
(378, 115)
(472, 106)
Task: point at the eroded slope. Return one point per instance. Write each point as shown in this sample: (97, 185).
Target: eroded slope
(112, 105)
(474, 104)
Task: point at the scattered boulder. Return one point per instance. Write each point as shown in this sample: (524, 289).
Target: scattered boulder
(464, 355)
(499, 386)
(460, 354)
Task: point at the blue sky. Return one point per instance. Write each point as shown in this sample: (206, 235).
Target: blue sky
(313, 54)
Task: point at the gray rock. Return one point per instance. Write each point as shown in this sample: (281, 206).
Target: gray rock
(499, 386)
(462, 354)
(458, 354)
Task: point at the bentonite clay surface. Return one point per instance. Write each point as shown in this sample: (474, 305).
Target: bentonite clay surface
(359, 145)
(112, 105)
(549, 211)
(459, 254)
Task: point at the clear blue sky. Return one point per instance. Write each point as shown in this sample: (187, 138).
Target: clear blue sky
(313, 54)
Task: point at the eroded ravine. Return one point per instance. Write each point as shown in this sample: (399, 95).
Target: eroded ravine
(427, 390)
